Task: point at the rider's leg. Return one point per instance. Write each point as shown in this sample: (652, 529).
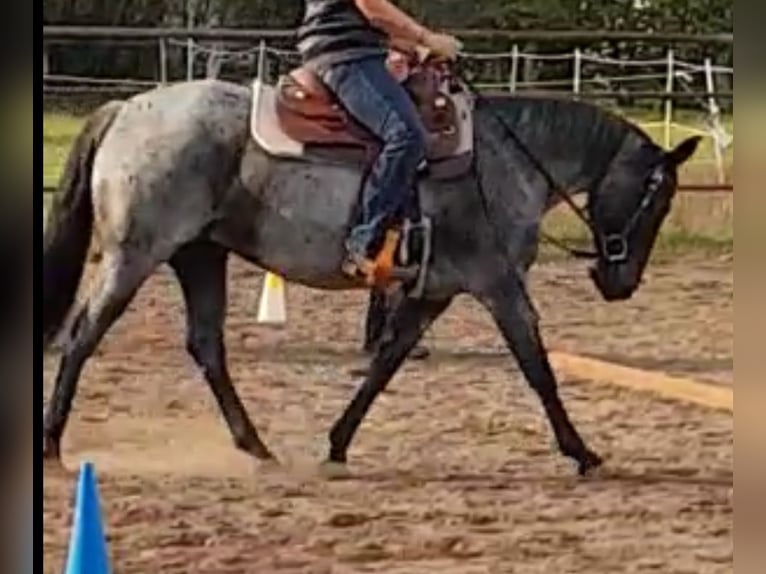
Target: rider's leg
(369, 92)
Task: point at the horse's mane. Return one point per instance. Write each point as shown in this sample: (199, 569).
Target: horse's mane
(545, 124)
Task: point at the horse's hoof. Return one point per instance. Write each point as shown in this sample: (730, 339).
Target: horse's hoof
(271, 463)
(53, 465)
(51, 458)
(263, 457)
(589, 464)
(51, 453)
(334, 470)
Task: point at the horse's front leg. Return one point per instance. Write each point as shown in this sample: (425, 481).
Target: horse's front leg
(408, 322)
(509, 303)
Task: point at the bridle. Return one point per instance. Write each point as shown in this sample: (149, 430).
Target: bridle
(611, 248)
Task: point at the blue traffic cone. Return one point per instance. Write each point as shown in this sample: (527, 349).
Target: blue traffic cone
(87, 545)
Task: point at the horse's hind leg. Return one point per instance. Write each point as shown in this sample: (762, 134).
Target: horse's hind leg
(407, 324)
(119, 276)
(201, 271)
(375, 322)
(380, 306)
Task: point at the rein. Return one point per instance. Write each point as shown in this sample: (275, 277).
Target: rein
(612, 248)
(607, 245)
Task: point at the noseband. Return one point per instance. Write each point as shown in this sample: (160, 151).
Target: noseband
(611, 247)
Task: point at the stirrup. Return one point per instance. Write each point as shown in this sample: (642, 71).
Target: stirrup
(381, 271)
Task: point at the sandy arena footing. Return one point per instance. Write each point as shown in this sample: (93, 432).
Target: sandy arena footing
(678, 388)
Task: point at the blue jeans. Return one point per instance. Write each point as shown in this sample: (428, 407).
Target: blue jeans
(376, 100)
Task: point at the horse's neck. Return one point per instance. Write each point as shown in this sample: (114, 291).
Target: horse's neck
(583, 171)
(569, 179)
(582, 166)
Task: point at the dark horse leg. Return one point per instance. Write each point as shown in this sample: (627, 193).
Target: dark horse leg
(375, 323)
(119, 276)
(508, 302)
(407, 324)
(201, 271)
(379, 308)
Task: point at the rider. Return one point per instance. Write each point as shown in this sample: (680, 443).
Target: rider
(346, 42)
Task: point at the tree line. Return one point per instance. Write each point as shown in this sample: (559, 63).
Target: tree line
(689, 16)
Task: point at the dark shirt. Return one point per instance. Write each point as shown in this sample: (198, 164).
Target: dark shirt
(336, 31)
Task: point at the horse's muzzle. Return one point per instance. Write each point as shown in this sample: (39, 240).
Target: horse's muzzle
(615, 282)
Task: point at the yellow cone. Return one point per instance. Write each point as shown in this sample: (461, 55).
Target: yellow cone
(272, 309)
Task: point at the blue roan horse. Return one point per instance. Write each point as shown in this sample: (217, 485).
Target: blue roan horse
(174, 176)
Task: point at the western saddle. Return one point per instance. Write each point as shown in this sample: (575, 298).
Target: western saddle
(300, 118)
(309, 113)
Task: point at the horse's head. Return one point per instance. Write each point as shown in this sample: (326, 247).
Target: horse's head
(627, 212)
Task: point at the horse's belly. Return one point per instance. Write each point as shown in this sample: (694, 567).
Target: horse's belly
(294, 220)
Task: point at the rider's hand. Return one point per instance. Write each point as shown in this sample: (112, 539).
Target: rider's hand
(442, 45)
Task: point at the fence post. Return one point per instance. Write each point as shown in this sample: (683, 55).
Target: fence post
(191, 6)
(669, 100)
(261, 72)
(715, 120)
(577, 79)
(214, 61)
(163, 45)
(189, 59)
(514, 68)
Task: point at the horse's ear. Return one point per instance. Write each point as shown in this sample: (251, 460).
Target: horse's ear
(683, 151)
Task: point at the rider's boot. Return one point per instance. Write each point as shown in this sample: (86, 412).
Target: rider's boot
(381, 270)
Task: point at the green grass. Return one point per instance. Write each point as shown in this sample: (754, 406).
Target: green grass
(59, 131)
(698, 222)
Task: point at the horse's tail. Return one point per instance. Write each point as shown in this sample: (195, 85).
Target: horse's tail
(70, 222)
